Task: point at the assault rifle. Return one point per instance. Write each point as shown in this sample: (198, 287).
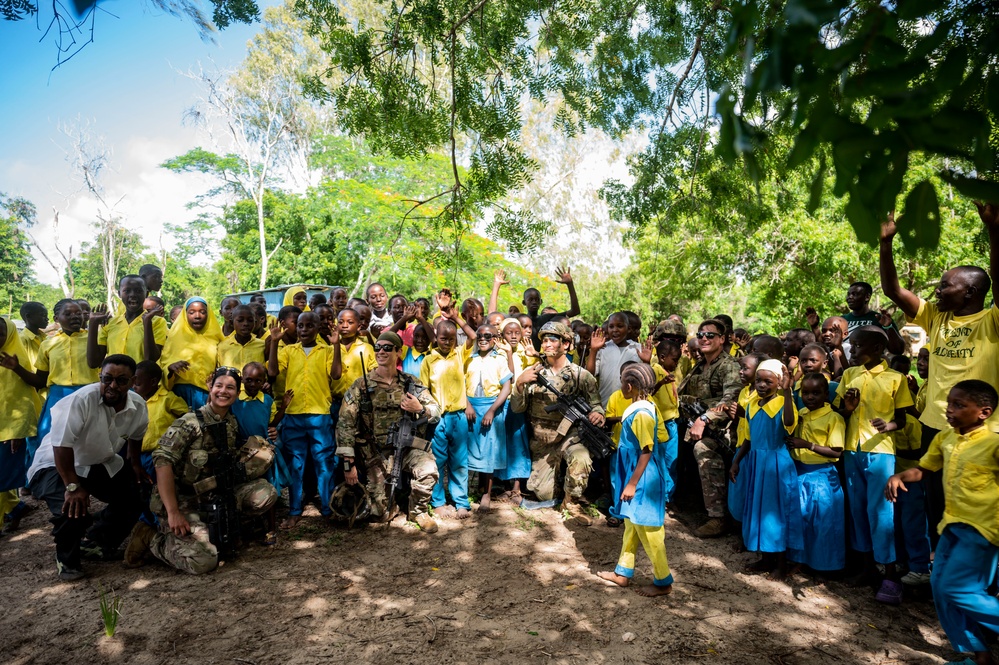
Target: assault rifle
(575, 411)
(219, 508)
(401, 435)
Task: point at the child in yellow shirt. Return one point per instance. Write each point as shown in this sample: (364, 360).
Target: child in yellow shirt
(126, 332)
(20, 404)
(241, 347)
(190, 352)
(968, 552)
(872, 398)
(665, 398)
(307, 428)
(443, 373)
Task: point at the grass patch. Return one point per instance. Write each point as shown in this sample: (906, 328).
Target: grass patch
(525, 521)
(110, 603)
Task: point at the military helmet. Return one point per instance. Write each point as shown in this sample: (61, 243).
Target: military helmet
(350, 503)
(558, 329)
(670, 328)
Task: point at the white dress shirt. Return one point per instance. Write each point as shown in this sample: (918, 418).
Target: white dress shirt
(94, 430)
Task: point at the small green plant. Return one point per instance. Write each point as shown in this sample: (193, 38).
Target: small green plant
(110, 609)
(335, 539)
(525, 522)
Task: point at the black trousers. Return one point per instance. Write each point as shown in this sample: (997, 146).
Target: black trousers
(933, 487)
(108, 528)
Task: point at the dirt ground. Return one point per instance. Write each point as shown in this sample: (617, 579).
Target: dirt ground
(511, 587)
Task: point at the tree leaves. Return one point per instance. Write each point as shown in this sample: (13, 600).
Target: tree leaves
(919, 225)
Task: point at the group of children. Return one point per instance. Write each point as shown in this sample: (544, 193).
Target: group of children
(811, 418)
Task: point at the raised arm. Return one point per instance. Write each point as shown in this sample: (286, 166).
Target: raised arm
(95, 352)
(989, 212)
(499, 279)
(565, 277)
(906, 300)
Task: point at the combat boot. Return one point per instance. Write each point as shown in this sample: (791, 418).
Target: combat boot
(713, 528)
(426, 523)
(138, 545)
(576, 512)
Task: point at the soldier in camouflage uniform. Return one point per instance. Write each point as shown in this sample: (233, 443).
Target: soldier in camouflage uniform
(183, 463)
(712, 381)
(548, 447)
(367, 413)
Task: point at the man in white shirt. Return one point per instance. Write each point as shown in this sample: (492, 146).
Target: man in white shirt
(79, 457)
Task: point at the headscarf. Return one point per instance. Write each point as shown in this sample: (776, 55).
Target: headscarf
(507, 322)
(776, 367)
(197, 348)
(289, 296)
(20, 401)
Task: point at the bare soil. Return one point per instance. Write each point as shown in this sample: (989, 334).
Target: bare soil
(510, 586)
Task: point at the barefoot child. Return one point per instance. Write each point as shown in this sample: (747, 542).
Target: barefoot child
(616, 466)
(771, 517)
(518, 454)
(643, 498)
(488, 378)
(968, 552)
(816, 445)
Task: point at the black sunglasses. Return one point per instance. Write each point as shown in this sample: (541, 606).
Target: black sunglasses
(708, 335)
(387, 347)
(121, 381)
(488, 336)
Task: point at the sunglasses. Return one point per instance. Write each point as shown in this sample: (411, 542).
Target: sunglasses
(488, 337)
(387, 348)
(120, 381)
(708, 335)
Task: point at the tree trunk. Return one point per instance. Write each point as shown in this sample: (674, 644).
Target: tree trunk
(264, 258)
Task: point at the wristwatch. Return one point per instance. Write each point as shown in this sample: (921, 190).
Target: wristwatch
(72, 487)
(704, 418)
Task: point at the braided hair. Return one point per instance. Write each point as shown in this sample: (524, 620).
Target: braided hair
(640, 376)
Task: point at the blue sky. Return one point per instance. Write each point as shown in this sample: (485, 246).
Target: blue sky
(127, 87)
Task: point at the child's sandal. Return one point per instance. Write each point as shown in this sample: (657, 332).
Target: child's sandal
(614, 522)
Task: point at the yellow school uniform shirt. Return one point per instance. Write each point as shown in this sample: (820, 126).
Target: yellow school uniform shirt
(742, 427)
(616, 406)
(485, 375)
(961, 347)
(164, 408)
(64, 357)
(308, 374)
(665, 398)
(970, 464)
(921, 397)
(823, 427)
(198, 348)
(352, 367)
(233, 354)
(909, 438)
(771, 408)
(120, 336)
(882, 390)
(20, 401)
(31, 343)
(445, 377)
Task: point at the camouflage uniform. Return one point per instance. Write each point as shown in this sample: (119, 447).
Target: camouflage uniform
(548, 447)
(188, 450)
(362, 436)
(713, 384)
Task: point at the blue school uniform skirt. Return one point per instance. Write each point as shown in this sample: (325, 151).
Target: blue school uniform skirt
(671, 453)
(648, 507)
(194, 396)
(737, 489)
(823, 517)
(487, 447)
(13, 468)
(56, 393)
(518, 452)
(771, 517)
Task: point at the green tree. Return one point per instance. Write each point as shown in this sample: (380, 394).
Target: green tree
(16, 215)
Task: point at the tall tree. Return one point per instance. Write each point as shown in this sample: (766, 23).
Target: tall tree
(266, 124)
(16, 216)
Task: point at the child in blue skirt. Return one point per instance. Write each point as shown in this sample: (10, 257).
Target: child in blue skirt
(488, 374)
(643, 498)
(737, 487)
(771, 517)
(816, 445)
